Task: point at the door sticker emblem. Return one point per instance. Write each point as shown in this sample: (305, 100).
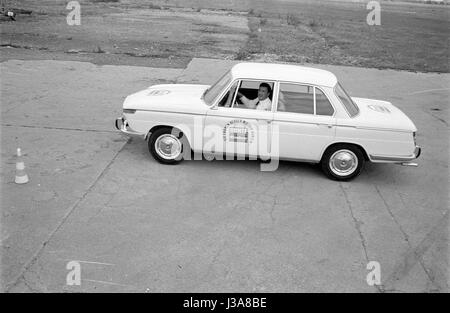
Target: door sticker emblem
(238, 131)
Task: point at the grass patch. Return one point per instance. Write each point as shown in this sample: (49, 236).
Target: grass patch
(293, 20)
(98, 50)
(242, 55)
(337, 33)
(312, 23)
(153, 6)
(410, 37)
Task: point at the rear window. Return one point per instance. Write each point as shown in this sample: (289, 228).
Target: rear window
(348, 103)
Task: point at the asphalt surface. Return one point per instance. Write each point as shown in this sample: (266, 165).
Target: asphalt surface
(135, 225)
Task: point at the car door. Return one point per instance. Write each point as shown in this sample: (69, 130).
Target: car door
(304, 122)
(236, 129)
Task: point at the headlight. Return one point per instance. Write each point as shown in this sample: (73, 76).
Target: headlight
(129, 111)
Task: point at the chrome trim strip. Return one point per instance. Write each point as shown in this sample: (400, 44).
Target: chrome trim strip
(235, 116)
(303, 122)
(384, 129)
(375, 128)
(396, 158)
(176, 112)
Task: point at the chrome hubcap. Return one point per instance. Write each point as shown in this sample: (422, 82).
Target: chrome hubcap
(168, 146)
(343, 162)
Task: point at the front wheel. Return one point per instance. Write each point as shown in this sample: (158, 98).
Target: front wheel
(166, 145)
(342, 162)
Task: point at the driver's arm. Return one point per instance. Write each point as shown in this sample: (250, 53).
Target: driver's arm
(251, 104)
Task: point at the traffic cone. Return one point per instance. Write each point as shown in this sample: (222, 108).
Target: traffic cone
(21, 176)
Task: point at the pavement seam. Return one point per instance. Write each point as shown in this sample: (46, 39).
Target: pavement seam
(36, 255)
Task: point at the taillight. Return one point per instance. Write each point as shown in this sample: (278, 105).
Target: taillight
(129, 111)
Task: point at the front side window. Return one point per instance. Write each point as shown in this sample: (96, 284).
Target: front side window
(255, 95)
(348, 103)
(248, 94)
(212, 92)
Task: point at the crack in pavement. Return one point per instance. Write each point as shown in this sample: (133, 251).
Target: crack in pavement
(435, 117)
(35, 256)
(414, 255)
(405, 235)
(356, 221)
(357, 224)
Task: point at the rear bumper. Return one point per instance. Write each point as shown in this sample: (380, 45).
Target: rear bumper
(397, 159)
(122, 125)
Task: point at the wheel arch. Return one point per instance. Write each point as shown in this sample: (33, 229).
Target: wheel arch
(159, 126)
(364, 152)
(185, 132)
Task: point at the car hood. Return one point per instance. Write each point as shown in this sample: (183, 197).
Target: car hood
(382, 114)
(165, 97)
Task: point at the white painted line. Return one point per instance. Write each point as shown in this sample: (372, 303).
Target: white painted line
(428, 90)
(88, 262)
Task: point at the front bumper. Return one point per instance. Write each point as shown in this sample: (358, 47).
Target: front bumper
(398, 159)
(122, 125)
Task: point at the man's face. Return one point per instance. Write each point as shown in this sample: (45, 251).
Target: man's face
(263, 93)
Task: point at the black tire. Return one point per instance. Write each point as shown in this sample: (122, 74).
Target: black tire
(344, 150)
(172, 132)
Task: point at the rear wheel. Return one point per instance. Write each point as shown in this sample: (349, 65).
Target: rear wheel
(167, 144)
(342, 162)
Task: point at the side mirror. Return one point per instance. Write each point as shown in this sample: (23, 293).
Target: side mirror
(214, 107)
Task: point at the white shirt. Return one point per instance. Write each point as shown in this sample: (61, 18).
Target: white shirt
(263, 105)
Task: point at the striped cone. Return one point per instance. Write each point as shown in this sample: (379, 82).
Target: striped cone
(21, 176)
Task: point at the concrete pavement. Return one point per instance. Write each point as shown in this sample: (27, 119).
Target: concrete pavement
(223, 226)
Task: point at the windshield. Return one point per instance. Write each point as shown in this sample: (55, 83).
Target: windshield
(212, 92)
(346, 100)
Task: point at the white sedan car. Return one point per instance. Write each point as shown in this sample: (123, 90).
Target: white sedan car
(271, 111)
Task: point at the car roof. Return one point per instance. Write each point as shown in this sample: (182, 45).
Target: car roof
(284, 72)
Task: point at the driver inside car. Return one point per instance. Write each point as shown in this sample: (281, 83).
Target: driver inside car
(262, 102)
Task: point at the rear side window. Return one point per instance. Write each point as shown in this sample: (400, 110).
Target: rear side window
(323, 105)
(296, 98)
